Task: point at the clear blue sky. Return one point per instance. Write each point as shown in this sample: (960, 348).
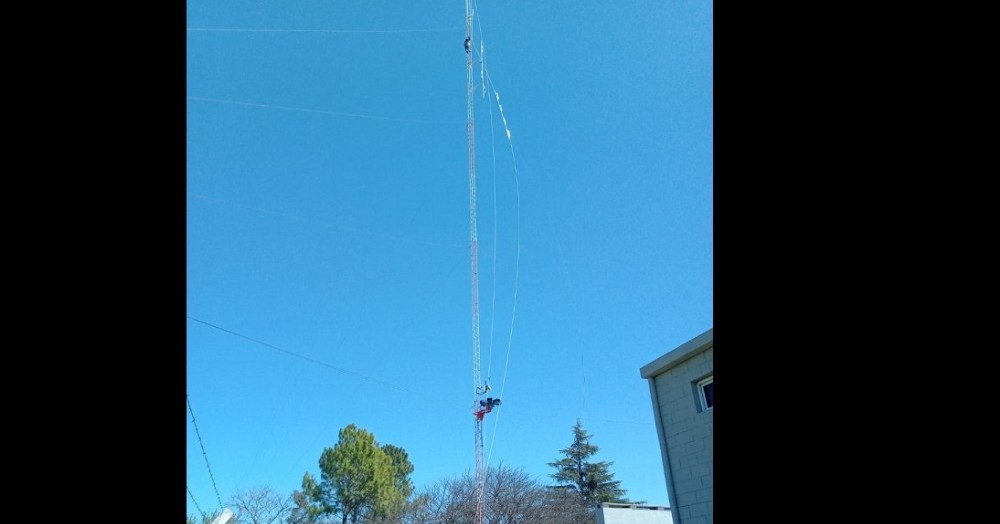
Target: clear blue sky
(328, 264)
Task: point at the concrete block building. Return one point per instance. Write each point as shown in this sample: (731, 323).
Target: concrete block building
(682, 390)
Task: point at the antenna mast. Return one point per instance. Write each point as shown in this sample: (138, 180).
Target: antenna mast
(478, 390)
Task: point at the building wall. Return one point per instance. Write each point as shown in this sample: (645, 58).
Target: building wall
(687, 436)
(633, 514)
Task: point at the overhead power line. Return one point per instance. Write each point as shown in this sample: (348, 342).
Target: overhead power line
(323, 112)
(200, 443)
(304, 357)
(237, 30)
(203, 516)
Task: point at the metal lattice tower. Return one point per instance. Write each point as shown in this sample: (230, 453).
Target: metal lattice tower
(474, 261)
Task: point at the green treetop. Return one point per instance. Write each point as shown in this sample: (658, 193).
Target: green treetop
(592, 481)
(357, 477)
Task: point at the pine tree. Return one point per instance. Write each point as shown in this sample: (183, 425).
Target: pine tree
(592, 481)
(357, 479)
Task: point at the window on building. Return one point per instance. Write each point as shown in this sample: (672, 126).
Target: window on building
(706, 393)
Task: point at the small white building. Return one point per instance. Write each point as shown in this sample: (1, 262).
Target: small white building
(682, 388)
(611, 513)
